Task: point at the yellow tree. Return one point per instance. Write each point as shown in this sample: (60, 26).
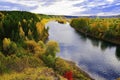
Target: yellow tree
(6, 43)
(40, 29)
(9, 47)
(29, 34)
(21, 32)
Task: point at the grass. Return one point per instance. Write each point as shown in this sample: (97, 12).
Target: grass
(41, 73)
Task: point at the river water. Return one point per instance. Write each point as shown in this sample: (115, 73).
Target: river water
(99, 59)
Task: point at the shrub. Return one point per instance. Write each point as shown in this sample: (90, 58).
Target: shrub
(61, 66)
(30, 45)
(52, 48)
(14, 63)
(49, 60)
(35, 48)
(49, 57)
(3, 67)
(9, 47)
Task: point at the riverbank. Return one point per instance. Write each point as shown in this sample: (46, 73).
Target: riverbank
(84, 75)
(106, 29)
(114, 42)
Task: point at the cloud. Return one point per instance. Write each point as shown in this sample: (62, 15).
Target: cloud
(14, 5)
(102, 8)
(60, 8)
(64, 7)
(110, 1)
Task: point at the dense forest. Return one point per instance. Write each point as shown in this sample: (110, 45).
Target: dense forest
(107, 29)
(26, 55)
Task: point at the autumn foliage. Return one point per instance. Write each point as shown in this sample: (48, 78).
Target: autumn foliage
(102, 28)
(69, 75)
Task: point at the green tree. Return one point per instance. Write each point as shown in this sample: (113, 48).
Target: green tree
(52, 48)
(49, 57)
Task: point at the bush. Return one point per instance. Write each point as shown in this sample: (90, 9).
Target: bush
(49, 56)
(52, 48)
(14, 63)
(49, 60)
(35, 48)
(9, 47)
(61, 66)
(3, 67)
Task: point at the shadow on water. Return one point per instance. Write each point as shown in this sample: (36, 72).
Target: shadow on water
(118, 52)
(106, 45)
(83, 37)
(96, 42)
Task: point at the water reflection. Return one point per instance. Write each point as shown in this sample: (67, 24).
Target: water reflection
(118, 52)
(83, 37)
(96, 42)
(87, 52)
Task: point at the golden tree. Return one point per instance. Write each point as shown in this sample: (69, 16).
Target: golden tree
(21, 32)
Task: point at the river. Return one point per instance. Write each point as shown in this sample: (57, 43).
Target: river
(99, 59)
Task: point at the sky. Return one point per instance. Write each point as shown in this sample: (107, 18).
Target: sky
(64, 7)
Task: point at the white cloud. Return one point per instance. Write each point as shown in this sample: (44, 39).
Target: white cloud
(62, 7)
(110, 1)
(107, 14)
(100, 14)
(95, 4)
(22, 2)
(59, 8)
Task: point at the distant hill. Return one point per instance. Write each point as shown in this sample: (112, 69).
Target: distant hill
(115, 16)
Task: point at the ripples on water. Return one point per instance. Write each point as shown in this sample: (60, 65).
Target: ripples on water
(100, 59)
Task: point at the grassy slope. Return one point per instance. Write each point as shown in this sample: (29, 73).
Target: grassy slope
(23, 53)
(41, 73)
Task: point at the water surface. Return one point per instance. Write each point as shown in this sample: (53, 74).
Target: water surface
(98, 58)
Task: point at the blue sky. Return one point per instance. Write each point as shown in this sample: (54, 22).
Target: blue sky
(64, 7)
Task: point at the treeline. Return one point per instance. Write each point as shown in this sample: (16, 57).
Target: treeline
(103, 28)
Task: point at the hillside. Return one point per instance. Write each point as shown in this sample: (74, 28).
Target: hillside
(24, 52)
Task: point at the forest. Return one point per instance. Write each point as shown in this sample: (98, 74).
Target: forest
(25, 53)
(107, 29)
